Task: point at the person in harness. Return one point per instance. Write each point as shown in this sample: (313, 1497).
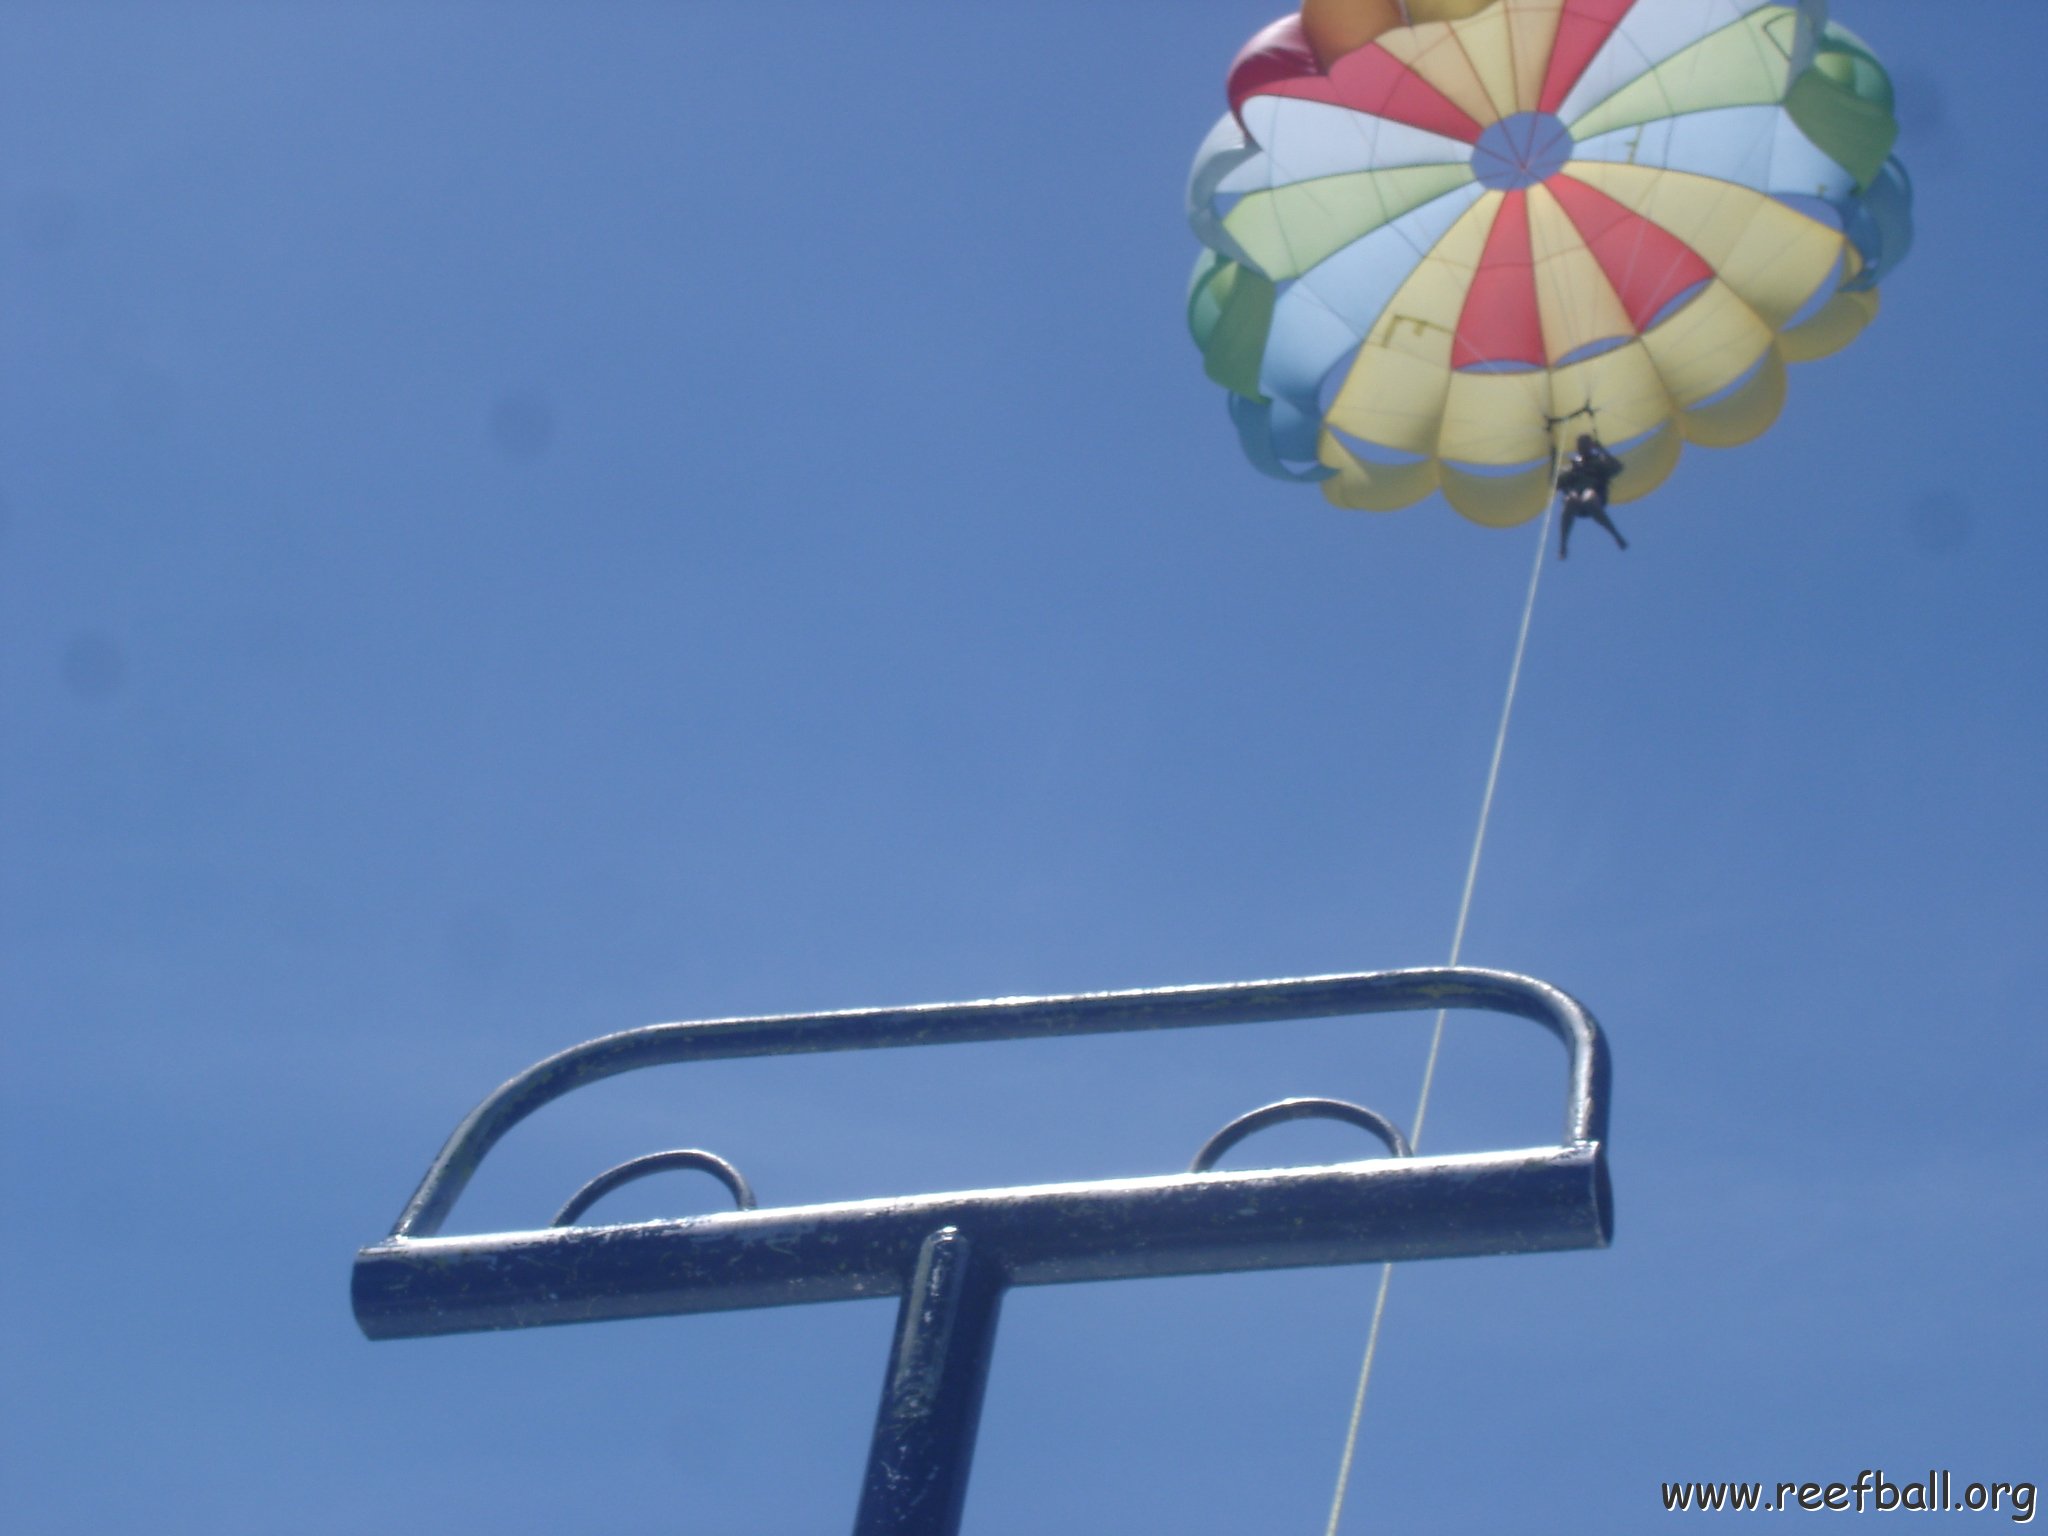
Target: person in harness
(1584, 479)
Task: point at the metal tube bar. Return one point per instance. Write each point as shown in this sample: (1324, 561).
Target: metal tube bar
(1536, 1200)
(923, 1445)
(1018, 1019)
(951, 1256)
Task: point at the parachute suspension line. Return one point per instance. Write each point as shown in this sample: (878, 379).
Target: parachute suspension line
(1436, 1038)
(1500, 743)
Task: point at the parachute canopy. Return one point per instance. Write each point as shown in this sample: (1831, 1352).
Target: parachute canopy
(1442, 233)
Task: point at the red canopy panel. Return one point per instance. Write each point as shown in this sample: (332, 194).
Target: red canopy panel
(1373, 80)
(1279, 52)
(1501, 322)
(1648, 266)
(1582, 30)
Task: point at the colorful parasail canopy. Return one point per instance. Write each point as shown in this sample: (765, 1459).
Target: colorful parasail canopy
(1445, 235)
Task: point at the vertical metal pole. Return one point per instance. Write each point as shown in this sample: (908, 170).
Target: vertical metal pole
(931, 1398)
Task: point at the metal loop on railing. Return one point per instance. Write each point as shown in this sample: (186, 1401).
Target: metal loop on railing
(1299, 1109)
(1023, 1018)
(655, 1162)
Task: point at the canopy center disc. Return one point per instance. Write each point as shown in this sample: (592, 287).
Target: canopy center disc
(1522, 150)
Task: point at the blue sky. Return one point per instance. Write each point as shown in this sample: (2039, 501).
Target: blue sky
(519, 521)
